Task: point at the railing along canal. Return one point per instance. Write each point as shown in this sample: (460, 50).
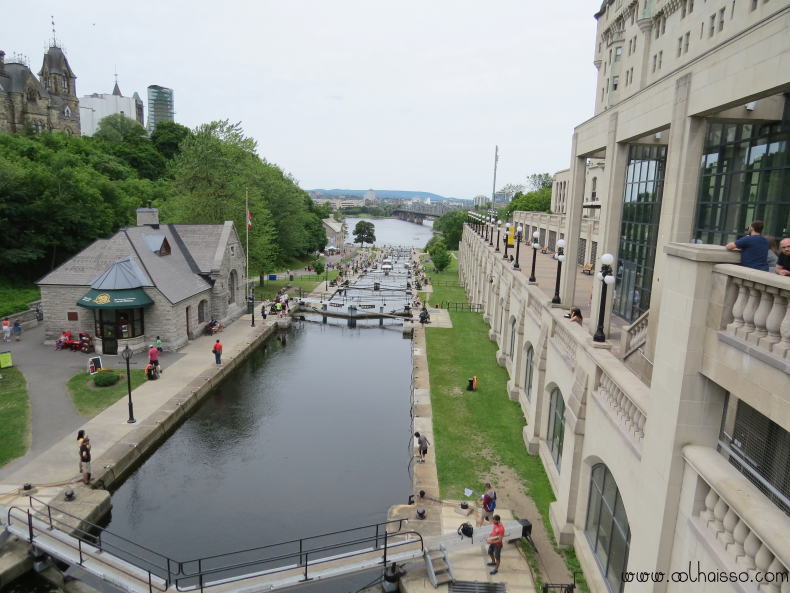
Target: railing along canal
(158, 572)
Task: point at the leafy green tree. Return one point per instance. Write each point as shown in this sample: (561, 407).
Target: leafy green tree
(440, 257)
(539, 181)
(451, 225)
(127, 140)
(118, 128)
(364, 232)
(167, 138)
(319, 267)
(536, 201)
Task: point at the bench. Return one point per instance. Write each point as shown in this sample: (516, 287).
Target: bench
(588, 269)
(544, 249)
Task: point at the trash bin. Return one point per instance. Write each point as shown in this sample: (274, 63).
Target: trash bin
(250, 305)
(291, 277)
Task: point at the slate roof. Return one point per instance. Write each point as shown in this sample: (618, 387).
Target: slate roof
(15, 81)
(55, 60)
(177, 276)
(333, 224)
(122, 275)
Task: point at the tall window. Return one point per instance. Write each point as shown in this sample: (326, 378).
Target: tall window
(638, 234)
(745, 176)
(607, 527)
(513, 338)
(615, 83)
(618, 54)
(202, 311)
(556, 432)
(529, 372)
(232, 281)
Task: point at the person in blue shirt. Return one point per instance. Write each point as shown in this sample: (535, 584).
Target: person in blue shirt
(754, 248)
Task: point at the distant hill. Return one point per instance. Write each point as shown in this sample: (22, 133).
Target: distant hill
(383, 193)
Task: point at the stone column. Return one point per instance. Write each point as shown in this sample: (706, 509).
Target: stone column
(678, 204)
(611, 216)
(573, 223)
(686, 407)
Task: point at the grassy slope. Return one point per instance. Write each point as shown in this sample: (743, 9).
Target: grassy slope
(308, 283)
(15, 295)
(14, 415)
(90, 400)
(475, 430)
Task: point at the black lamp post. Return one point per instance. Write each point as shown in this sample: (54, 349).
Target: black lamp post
(606, 276)
(127, 355)
(505, 238)
(487, 227)
(518, 245)
(491, 224)
(560, 259)
(498, 228)
(535, 247)
(252, 304)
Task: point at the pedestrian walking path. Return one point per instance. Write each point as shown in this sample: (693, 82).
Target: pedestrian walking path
(58, 464)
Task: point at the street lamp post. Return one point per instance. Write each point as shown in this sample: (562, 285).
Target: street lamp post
(518, 245)
(535, 246)
(491, 224)
(487, 227)
(252, 302)
(505, 238)
(127, 355)
(606, 277)
(560, 259)
(498, 228)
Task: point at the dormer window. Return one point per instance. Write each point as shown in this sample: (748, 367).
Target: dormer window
(64, 83)
(157, 243)
(165, 248)
(67, 111)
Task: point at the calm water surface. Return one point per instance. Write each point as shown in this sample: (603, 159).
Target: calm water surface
(391, 231)
(307, 437)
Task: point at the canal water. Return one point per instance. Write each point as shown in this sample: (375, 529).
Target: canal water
(391, 231)
(310, 435)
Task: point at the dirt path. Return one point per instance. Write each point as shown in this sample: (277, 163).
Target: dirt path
(511, 495)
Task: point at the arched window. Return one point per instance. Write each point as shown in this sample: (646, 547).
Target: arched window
(607, 527)
(32, 95)
(529, 373)
(232, 287)
(512, 338)
(202, 311)
(556, 432)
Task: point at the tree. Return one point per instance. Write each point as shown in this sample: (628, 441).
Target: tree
(511, 189)
(318, 266)
(538, 181)
(440, 257)
(364, 232)
(167, 138)
(119, 128)
(537, 201)
(126, 139)
(451, 225)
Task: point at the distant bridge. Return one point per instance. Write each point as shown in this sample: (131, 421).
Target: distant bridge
(418, 212)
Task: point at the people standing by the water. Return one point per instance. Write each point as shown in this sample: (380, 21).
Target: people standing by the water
(217, 349)
(85, 459)
(422, 444)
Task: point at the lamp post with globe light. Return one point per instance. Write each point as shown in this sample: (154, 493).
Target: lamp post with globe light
(127, 356)
(560, 258)
(498, 228)
(518, 245)
(606, 276)
(491, 224)
(505, 238)
(535, 247)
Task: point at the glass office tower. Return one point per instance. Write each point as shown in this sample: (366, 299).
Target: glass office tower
(160, 106)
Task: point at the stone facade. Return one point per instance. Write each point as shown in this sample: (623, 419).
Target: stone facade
(679, 498)
(45, 103)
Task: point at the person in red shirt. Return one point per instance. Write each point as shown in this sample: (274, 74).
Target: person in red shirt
(153, 357)
(495, 543)
(218, 352)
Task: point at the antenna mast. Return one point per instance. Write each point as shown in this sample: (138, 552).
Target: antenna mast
(493, 193)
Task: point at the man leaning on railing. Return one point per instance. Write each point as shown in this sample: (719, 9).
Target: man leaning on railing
(754, 248)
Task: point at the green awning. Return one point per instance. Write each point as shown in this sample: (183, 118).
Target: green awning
(131, 298)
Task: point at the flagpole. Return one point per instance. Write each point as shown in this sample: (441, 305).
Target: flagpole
(247, 251)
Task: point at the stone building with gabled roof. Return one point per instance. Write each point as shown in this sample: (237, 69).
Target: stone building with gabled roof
(48, 102)
(150, 280)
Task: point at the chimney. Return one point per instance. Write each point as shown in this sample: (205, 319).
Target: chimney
(2, 62)
(148, 216)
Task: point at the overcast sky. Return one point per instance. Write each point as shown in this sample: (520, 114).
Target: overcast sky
(351, 94)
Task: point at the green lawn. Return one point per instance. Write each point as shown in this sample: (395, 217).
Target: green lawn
(308, 283)
(14, 415)
(15, 294)
(90, 400)
(477, 430)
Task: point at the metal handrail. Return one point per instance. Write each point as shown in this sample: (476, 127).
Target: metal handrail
(303, 556)
(471, 307)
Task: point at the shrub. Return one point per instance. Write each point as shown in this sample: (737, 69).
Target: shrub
(318, 267)
(105, 379)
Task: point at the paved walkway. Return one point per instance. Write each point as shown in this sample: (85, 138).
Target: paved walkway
(57, 464)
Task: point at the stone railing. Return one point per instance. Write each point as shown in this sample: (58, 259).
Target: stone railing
(750, 528)
(534, 306)
(565, 341)
(629, 409)
(761, 315)
(634, 335)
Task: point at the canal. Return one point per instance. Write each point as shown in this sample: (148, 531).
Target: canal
(391, 231)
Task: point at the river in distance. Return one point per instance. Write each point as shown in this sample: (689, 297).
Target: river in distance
(392, 231)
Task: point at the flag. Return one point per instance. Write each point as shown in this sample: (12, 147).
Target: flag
(249, 219)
